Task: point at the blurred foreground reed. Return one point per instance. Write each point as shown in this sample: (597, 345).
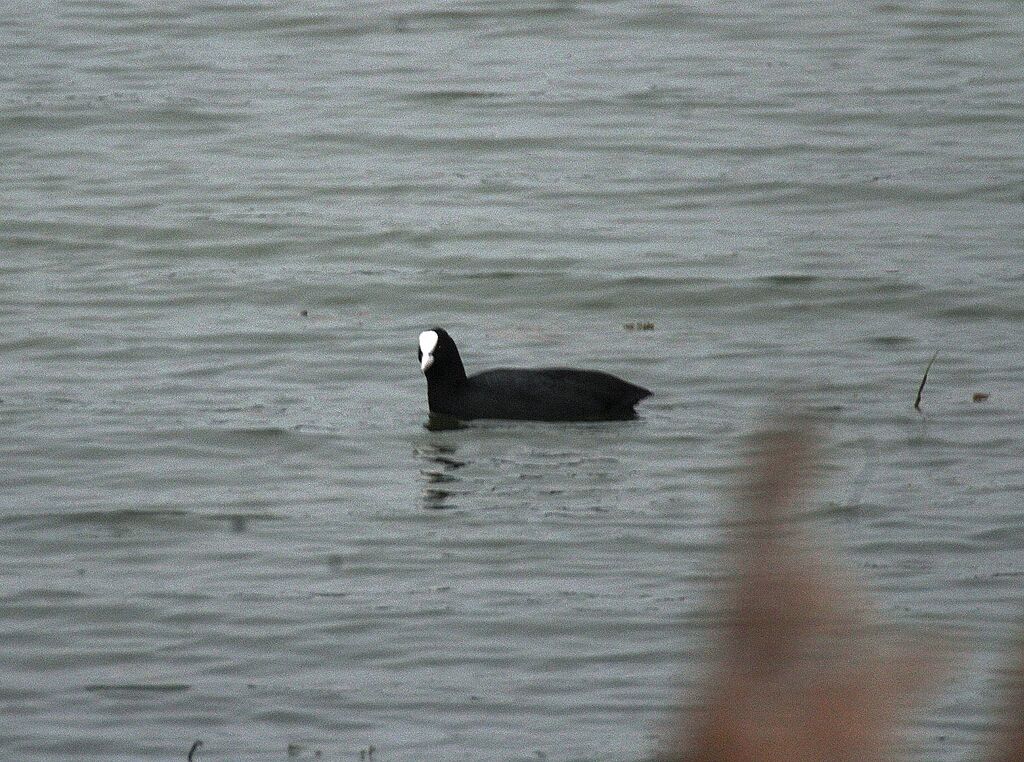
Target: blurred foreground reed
(806, 670)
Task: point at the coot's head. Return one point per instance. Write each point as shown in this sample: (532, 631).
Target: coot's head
(438, 355)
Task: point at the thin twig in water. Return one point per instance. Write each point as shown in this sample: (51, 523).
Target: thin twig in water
(917, 402)
(194, 749)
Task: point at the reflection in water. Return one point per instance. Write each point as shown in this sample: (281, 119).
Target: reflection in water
(438, 470)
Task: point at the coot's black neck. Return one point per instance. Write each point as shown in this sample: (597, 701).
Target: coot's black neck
(443, 383)
(447, 370)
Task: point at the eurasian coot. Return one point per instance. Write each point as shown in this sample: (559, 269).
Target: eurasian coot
(541, 394)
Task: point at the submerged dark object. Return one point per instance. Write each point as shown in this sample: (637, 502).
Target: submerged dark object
(540, 394)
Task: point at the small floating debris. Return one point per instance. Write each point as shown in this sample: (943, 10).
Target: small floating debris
(304, 313)
(928, 367)
(298, 749)
(979, 396)
(193, 750)
(638, 326)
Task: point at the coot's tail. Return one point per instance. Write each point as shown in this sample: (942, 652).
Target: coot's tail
(628, 396)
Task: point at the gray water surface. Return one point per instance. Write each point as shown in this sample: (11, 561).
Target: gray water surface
(223, 519)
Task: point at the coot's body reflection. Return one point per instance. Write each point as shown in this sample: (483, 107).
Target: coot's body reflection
(438, 470)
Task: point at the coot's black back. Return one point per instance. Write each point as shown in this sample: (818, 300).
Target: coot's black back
(549, 394)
